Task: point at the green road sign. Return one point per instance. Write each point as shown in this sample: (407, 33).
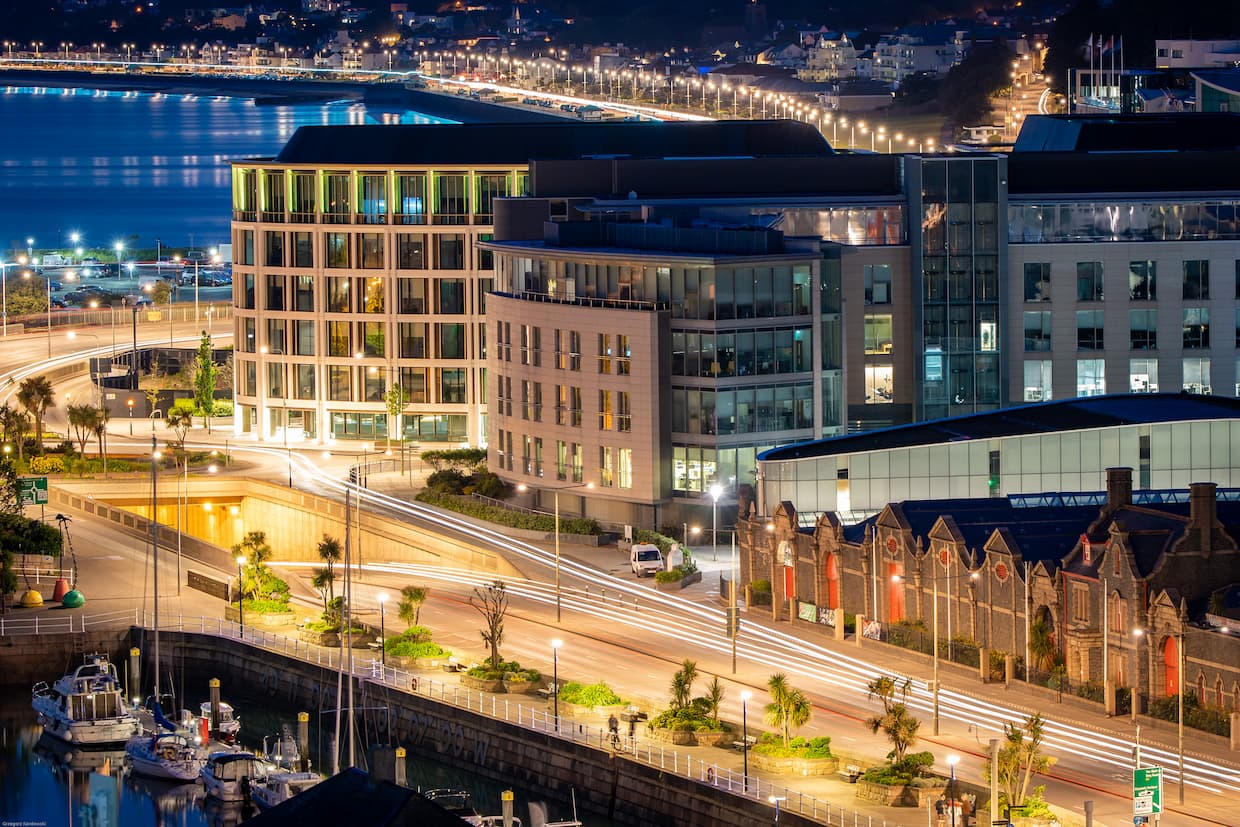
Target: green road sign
(32, 491)
(1147, 791)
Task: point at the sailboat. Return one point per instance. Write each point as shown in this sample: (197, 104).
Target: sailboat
(168, 751)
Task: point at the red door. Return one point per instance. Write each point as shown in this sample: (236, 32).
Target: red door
(1171, 667)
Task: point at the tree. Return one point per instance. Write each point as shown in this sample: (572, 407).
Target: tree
(101, 434)
(896, 722)
(715, 693)
(492, 603)
(789, 708)
(36, 395)
(1020, 758)
(410, 606)
(682, 684)
(180, 420)
(14, 424)
(204, 380)
(82, 419)
(152, 399)
(965, 93)
(322, 582)
(1042, 649)
(161, 293)
(330, 552)
(257, 553)
(396, 400)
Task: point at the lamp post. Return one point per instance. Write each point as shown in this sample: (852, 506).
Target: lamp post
(555, 679)
(557, 490)
(94, 384)
(745, 696)
(240, 596)
(129, 403)
(716, 491)
(383, 599)
(952, 761)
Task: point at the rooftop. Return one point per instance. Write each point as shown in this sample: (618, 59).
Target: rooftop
(1046, 417)
(1168, 132)
(518, 143)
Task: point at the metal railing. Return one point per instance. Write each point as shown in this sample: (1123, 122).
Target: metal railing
(650, 753)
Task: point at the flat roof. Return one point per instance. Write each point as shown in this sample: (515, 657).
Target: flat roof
(518, 143)
(1163, 132)
(1057, 416)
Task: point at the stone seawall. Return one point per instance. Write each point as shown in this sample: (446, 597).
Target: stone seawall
(604, 783)
(27, 659)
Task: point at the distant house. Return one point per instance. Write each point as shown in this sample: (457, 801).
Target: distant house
(1196, 54)
(831, 57)
(934, 49)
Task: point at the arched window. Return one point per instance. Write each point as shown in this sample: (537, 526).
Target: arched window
(1218, 692)
(1119, 615)
(1235, 696)
(1201, 689)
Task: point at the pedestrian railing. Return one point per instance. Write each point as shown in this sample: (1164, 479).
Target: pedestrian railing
(534, 718)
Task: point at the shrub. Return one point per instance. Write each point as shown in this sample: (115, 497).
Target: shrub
(447, 481)
(1091, 691)
(487, 484)
(595, 694)
(655, 538)
(405, 648)
(675, 575)
(505, 517)
(909, 770)
(506, 667)
(772, 744)
(528, 675)
(760, 586)
(222, 407)
(471, 458)
(415, 634)
(47, 465)
(263, 607)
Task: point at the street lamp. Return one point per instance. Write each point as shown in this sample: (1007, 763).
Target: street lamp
(716, 491)
(129, 403)
(383, 599)
(557, 490)
(240, 595)
(952, 761)
(556, 643)
(745, 696)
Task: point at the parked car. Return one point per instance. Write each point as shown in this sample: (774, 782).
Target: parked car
(645, 559)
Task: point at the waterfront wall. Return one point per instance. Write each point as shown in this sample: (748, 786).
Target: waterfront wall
(604, 783)
(27, 659)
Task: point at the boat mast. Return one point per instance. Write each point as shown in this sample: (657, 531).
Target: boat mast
(336, 745)
(155, 554)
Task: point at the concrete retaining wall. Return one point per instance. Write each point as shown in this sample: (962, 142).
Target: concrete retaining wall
(604, 784)
(29, 659)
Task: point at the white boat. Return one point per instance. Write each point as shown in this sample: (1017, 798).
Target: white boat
(86, 707)
(231, 776)
(173, 756)
(456, 802)
(229, 725)
(278, 787)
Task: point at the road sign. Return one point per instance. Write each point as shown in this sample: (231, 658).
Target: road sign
(32, 491)
(1147, 791)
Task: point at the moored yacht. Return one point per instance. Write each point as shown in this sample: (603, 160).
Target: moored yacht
(230, 776)
(169, 755)
(278, 787)
(86, 707)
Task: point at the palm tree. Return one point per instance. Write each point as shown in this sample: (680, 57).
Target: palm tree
(36, 395)
(789, 708)
(330, 552)
(410, 606)
(11, 426)
(1042, 650)
(101, 434)
(715, 693)
(323, 581)
(896, 722)
(180, 420)
(682, 684)
(82, 419)
(257, 552)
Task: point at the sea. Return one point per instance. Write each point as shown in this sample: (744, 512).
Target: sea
(137, 167)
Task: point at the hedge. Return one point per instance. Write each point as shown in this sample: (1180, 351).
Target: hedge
(505, 517)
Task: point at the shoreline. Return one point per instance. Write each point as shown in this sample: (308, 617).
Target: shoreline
(268, 92)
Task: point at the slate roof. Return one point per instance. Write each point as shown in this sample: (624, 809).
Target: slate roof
(518, 143)
(1040, 418)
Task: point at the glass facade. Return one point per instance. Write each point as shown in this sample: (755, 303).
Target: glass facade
(1123, 221)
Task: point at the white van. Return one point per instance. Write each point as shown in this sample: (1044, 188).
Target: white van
(645, 559)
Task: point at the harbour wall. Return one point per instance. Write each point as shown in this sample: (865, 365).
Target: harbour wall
(604, 783)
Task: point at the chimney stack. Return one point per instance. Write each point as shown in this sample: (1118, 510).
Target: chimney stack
(1203, 510)
(1119, 487)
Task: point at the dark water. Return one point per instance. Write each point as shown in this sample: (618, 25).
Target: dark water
(44, 782)
(112, 165)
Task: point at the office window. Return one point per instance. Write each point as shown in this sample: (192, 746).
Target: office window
(624, 468)
(336, 250)
(486, 258)
(275, 336)
(451, 341)
(1143, 375)
(561, 460)
(304, 378)
(340, 383)
(624, 355)
(339, 339)
(374, 336)
(878, 333)
(606, 414)
(337, 294)
(303, 341)
(1196, 327)
(450, 251)
(410, 251)
(275, 380)
(624, 412)
(452, 385)
(249, 345)
(1037, 281)
(1197, 374)
(413, 380)
(606, 471)
(337, 205)
(303, 250)
(877, 283)
(275, 292)
(370, 251)
(411, 296)
(1037, 331)
(1196, 280)
(373, 384)
(411, 198)
(273, 243)
(452, 199)
(878, 384)
(490, 186)
(1038, 380)
(451, 294)
(1142, 280)
(1079, 603)
(372, 295)
(1089, 330)
(531, 345)
(1090, 377)
(574, 350)
(574, 407)
(604, 353)
(247, 291)
(303, 294)
(249, 382)
(1143, 329)
(1089, 281)
(412, 340)
(245, 255)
